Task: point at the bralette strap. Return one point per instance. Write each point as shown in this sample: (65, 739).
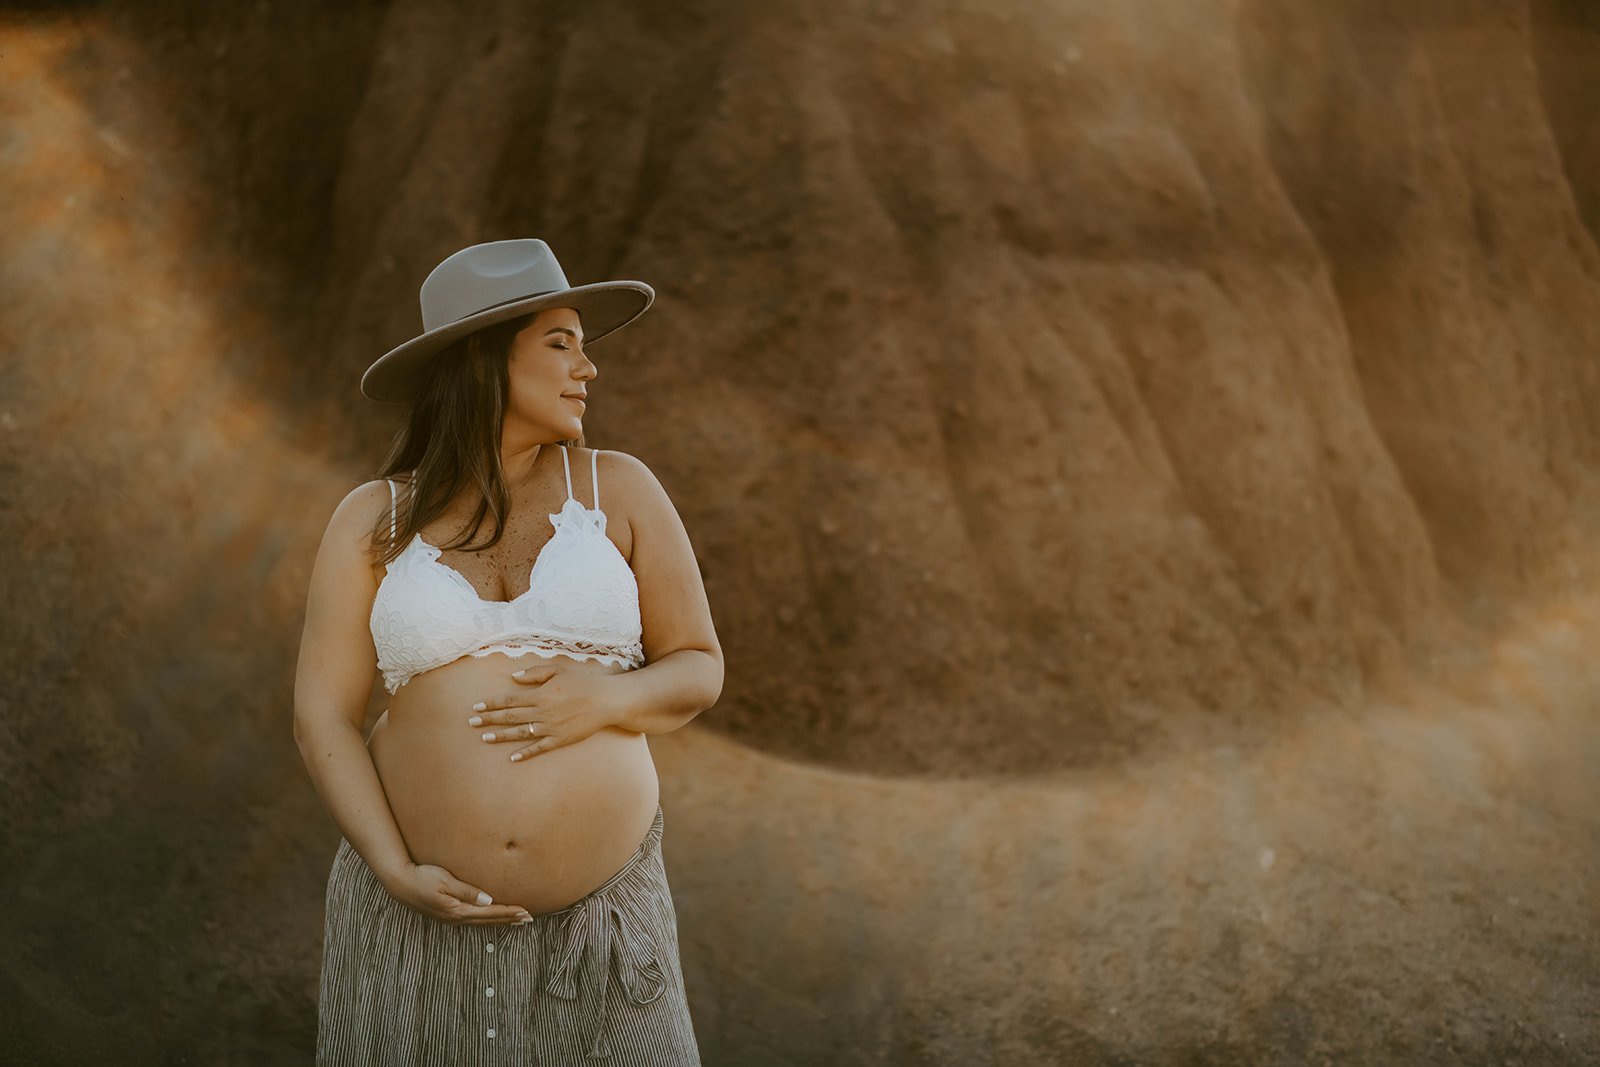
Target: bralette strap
(565, 463)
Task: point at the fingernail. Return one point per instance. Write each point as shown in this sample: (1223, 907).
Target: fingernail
(480, 706)
(525, 919)
(519, 674)
(485, 898)
(488, 736)
(476, 720)
(515, 756)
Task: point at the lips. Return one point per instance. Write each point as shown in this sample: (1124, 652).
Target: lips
(579, 399)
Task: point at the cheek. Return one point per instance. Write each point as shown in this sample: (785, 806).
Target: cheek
(532, 391)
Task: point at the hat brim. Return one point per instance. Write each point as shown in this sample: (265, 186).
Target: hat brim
(602, 306)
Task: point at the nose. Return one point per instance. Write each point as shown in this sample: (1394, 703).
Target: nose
(587, 371)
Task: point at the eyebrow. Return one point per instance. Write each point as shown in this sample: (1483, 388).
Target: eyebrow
(561, 329)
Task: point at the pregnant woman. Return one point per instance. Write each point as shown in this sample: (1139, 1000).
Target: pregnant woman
(498, 895)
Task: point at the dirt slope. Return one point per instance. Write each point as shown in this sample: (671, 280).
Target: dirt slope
(1142, 458)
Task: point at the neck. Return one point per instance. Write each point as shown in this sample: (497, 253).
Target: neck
(517, 461)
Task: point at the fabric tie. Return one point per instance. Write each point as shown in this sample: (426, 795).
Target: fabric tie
(599, 929)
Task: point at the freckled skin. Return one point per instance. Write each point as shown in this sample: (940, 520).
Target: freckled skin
(544, 831)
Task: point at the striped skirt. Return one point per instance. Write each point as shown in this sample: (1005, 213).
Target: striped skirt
(597, 980)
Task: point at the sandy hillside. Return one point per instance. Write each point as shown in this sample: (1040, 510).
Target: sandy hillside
(1143, 459)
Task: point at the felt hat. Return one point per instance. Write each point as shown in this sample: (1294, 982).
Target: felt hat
(489, 283)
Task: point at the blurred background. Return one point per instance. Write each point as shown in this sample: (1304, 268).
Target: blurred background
(1144, 461)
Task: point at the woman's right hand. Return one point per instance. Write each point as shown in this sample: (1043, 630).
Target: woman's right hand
(434, 892)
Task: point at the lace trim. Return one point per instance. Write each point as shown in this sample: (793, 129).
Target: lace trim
(626, 655)
(575, 516)
(630, 656)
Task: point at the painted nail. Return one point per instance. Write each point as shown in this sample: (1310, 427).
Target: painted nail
(480, 706)
(484, 898)
(488, 737)
(515, 756)
(476, 720)
(519, 674)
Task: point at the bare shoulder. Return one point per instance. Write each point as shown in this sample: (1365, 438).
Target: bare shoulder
(360, 508)
(631, 483)
(347, 541)
(629, 487)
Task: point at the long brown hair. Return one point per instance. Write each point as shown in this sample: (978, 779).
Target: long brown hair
(450, 440)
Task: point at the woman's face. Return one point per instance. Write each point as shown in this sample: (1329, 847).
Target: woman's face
(548, 369)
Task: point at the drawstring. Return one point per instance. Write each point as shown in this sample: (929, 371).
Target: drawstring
(598, 930)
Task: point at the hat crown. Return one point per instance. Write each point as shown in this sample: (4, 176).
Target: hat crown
(481, 276)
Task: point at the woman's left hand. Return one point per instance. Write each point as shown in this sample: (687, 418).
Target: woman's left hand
(556, 705)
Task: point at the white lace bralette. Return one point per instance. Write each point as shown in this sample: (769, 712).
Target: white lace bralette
(582, 601)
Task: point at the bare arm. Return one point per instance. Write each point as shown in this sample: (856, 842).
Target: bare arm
(332, 681)
(333, 678)
(683, 669)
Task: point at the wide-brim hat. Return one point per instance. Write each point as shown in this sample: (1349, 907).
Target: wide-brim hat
(489, 283)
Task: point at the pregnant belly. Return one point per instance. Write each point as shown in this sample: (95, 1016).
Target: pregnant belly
(542, 832)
